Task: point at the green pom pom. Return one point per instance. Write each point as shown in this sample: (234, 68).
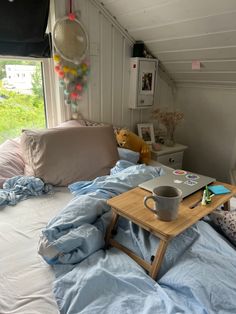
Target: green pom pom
(68, 102)
(61, 83)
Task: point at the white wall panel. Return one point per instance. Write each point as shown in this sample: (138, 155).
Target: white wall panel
(106, 69)
(208, 129)
(83, 11)
(126, 114)
(189, 27)
(182, 31)
(106, 98)
(206, 66)
(117, 76)
(94, 86)
(199, 54)
(220, 39)
(165, 12)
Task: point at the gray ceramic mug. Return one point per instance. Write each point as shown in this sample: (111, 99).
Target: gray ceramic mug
(166, 202)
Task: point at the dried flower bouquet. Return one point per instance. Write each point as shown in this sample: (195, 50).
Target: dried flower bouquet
(170, 119)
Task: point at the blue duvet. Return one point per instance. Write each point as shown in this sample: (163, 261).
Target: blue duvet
(19, 188)
(198, 274)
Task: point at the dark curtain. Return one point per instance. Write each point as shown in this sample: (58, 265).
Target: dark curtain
(23, 26)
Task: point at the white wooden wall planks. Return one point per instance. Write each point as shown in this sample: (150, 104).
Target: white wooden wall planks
(106, 98)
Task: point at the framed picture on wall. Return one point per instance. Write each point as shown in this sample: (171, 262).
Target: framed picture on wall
(146, 132)
(147, 82)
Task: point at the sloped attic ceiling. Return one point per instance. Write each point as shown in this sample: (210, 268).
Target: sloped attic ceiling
(178, 32)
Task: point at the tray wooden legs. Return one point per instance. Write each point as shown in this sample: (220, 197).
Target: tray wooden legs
(111, 227)
(152, 268)
(156, 264)
(226, 205)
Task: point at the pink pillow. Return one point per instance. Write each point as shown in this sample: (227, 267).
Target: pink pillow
(11, 162)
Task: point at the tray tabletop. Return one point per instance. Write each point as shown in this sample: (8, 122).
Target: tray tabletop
(130, 205)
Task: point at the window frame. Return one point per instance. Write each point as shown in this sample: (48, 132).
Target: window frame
(55, 110)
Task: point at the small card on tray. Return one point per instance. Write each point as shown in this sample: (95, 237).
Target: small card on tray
(218, 189)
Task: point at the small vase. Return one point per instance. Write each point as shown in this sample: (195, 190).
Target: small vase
(170, 140)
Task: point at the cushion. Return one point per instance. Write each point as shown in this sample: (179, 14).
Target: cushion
(70, 123)
(129, 155)
(11, 162)
(86, 122)
(226, 221)
(61, 156)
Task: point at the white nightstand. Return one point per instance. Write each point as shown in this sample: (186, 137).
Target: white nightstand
(170, 156)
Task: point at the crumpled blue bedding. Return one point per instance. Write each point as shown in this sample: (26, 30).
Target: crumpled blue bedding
(20, 188)
(79, 229)
(197, 275)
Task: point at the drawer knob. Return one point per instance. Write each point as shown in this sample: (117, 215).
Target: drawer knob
(171, 160)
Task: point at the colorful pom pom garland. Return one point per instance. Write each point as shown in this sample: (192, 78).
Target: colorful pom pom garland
(73, 78)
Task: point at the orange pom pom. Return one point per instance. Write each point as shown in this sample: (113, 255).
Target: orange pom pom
(61, 74)
(57, 68)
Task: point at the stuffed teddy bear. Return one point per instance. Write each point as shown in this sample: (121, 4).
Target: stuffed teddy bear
(130, 140)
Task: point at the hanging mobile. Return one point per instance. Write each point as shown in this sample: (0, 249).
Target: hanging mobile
(71, 44)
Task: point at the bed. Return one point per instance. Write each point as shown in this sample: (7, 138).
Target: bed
(53, 258)
(25, 279)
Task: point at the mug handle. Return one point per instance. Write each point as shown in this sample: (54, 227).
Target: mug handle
(146, 198)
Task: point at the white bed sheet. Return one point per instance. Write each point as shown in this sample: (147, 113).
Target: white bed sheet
(25, 279)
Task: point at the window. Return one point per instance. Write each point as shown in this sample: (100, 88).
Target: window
(21, 100)
(52, 111)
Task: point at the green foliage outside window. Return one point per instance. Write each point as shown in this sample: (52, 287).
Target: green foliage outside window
(37, 85)
(18, 111)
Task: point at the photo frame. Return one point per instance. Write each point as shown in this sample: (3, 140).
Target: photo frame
(146, 132)
(147, 82)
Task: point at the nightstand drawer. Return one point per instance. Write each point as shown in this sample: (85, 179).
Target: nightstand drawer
(172, 160)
